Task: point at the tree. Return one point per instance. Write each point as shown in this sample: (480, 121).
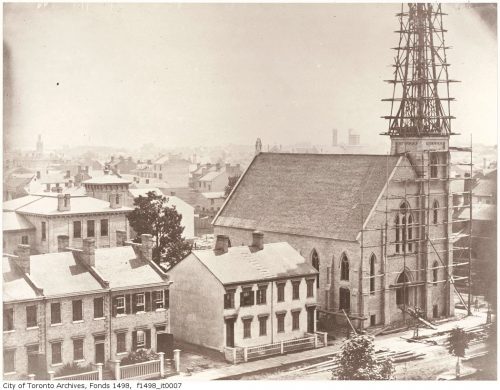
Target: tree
(230, 185)
(458, 342)
(358, 362)
(152, 215)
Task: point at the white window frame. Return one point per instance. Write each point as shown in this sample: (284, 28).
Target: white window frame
(141, 339)
(120, 304)
(138, 298)
(159, 300)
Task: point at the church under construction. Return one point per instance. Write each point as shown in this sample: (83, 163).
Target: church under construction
(377, 227)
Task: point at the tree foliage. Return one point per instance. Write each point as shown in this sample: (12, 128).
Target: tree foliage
(230, 185)
(458, 342)
(358, 362)
(72, 369)
(140, 356)
(152, 215)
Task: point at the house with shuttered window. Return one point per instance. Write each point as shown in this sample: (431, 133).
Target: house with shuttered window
(243, 296)
(89, 305)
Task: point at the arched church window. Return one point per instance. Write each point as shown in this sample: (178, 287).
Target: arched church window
(402, 290)
(372, 273)
(435, 210)
(344, 268)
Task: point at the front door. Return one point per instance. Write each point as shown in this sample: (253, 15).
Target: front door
(230, 333)
(310, 319)
(165, 344)
(99, 353)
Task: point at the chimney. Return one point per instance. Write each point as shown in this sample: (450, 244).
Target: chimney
(68, 174)
(121, 237)
(221, 243)
(88, 254)
(62, 243)
(47, 187)
(23, 257)
(146, 247)
(258, 240)
(115, 200)
(38, 174)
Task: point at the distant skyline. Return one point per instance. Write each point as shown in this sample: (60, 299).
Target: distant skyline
(124, 75)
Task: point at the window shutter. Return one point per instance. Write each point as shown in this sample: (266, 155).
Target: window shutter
(127, 304)
(134, 303)
(148, 338)
(134, 341)
(114, 306)
(147, 301)
(166, 296)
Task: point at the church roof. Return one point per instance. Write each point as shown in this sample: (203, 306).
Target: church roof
(317, 195)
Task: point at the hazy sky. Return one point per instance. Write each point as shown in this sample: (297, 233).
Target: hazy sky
(179, 75)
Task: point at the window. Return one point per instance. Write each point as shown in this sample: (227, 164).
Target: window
(56, 352)
(261, 295)
(296, 289)
(141, 339)
(404, 229)
(247, 328)
(120, 343)
(158, 301)
(8, 319)
(90, 228)
(372, 274)
(117, 198)
(402, 291)
(120, 305)
(344, 268)
(247, 297)
(44, 231)
(55, 313)
(281, 292)
(24, 240)
(315, 263)
(310, 288)
(328, 274)
(263, 326)
(344, 299)
(9, 357)
(434, 165)
(295, 320)
(140, 303)
(281, 322)
(435, 211)
(98, 307)
(77, 229)
(78, 349)
(77, 310)
(104, 227)
(31, 320)
(435, 272)
(229, 299)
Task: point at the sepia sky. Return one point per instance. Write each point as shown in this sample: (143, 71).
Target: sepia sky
(190, 74)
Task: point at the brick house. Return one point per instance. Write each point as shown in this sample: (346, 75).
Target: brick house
(356, 219)
(81, 305)
(243, 296)
(77, 217)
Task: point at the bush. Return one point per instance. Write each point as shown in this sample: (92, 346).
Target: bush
(71, 369)
(142, 355)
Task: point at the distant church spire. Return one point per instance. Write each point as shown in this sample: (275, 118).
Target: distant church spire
(258, 146)
(420, 104)
(39, 145)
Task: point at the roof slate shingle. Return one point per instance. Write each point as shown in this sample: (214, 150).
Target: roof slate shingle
(317, 195)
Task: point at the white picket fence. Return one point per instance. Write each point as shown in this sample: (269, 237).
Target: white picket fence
(145, 370)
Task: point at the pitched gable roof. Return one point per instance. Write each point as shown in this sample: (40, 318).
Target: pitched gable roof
(14, 285)
(307, 194)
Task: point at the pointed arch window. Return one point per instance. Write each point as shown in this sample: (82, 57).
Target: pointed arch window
(372, 274)
(402, 291)
(344, 299)
(404, 229)
(435, 270)
(315, 264)
(435, 211)
(344, 268)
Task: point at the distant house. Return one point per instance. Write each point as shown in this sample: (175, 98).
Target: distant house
(81, 306)
(215, 181)
(485, 189)
(172, 169)
(56, 214)
(20, 183)
(243, 296)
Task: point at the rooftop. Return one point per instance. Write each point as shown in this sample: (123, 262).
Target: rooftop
(107, 179)
(12, 221)
(319, 195)
(212, 175)
(14, 285)
(245, 264)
